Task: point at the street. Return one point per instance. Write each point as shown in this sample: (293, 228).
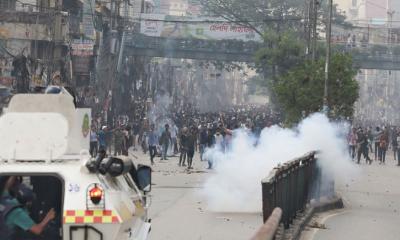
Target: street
(179, 211)
(372, 207)
(278, 96)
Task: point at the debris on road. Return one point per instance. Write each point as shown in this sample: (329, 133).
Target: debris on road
(224, 218)
(317, 225)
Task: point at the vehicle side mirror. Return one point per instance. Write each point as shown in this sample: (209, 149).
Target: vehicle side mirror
(144, 178)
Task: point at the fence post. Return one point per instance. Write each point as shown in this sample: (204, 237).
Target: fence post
(285, 198)
(269, 194)
(301, 186)
(267, 200)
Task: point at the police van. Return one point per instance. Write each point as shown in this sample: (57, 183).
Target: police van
(44, 142)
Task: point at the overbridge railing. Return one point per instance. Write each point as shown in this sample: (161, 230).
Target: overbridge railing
(290, 187)
(191, 44)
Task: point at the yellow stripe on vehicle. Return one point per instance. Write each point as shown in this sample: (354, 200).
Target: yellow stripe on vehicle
(90, 216)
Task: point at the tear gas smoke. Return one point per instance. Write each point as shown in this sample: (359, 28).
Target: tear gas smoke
(236, 185)
(159, 116)
(159, 111)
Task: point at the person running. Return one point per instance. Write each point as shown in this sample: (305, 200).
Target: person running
(152, 141)
(183, 146)
(362, 147)
(377, 137)
(383, 145)
(352, 140)
(210, 144)
(202, 140)
(165, 140)
(191, 144)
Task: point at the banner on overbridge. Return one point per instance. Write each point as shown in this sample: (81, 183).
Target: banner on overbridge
(158, 25)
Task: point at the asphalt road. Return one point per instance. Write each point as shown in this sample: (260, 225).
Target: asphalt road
(179, 210)
(372, 207)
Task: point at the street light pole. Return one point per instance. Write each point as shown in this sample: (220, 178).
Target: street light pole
(328, 57)
(314, 30)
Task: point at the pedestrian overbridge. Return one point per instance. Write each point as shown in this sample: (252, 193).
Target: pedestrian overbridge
(383, 61)
(220, 50)
(237, 51)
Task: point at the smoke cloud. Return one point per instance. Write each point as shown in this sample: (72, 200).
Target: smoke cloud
(236, 184)
(159, 115)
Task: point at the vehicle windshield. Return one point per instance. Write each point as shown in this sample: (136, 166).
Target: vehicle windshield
(34, 205)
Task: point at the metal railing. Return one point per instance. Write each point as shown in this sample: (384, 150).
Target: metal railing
(195, 45)
(290, 187)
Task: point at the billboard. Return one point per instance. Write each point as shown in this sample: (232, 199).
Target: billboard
(24, 31)
(158, 25)
(82, 58)
(82, 47)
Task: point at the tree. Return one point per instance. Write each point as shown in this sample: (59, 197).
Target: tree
(281, 52)
(296, 84)
(300, 91)
(257, 14)
(271, 14)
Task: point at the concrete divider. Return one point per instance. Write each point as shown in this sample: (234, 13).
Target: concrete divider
(268, 230)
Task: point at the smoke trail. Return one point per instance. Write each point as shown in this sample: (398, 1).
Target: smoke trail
(236, 186)
(159, 115)
(160, 110)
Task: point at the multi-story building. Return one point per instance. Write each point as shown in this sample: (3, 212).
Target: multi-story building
(56, 39)
(40, 41)
(33, 42)
(364, 12)
(378, 20)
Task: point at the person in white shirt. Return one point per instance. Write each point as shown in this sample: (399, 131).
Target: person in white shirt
(174, 133)
(93, 142)
(219, 139)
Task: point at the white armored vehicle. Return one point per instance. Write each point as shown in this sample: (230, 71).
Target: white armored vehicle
(44, 141)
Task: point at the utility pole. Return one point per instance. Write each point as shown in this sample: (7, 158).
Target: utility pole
(328, 57)
(311, 29)
(390, 25)
(57, 39)
(314, 30)
(307, 28)
(390, 45)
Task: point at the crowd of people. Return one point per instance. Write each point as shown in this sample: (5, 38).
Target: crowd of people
(183, 133)
(180, 133)
(378, 141)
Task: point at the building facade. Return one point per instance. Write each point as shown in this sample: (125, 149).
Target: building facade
(377, 22)
(33, 43)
